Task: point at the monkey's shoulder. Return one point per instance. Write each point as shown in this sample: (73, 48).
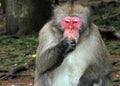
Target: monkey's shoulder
(45, 28)
(49, 31)
(48, 28)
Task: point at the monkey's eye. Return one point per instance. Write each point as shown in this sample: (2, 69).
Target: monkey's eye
(67, 21)
(75, 21)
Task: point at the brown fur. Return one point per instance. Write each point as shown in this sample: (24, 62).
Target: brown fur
(90, 52)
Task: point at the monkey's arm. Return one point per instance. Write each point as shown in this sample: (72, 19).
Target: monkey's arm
(51, 57)
(51, 54)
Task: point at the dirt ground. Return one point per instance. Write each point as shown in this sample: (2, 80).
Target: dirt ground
(24, 80)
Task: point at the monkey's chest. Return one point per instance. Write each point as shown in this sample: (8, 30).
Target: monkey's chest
(72, 68)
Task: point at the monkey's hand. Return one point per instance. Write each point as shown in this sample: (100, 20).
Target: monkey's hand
(68, 44)
(53, 57)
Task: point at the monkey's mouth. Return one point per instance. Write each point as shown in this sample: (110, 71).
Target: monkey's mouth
(73, 38)
(71, 34)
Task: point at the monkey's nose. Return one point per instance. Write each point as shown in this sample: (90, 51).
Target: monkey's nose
(71, 27)
(71, 31)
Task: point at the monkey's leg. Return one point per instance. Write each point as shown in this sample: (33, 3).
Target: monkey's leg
(92, 77)
(89, 77)
(106, 81)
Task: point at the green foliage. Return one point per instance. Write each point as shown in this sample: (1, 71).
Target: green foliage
(102, 11)
(15, 52)
(33, 75)
(114, 48)
(20, 9)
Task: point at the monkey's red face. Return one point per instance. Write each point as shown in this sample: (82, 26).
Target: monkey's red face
(71, 27)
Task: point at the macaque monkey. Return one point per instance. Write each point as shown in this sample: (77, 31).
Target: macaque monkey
(71, 51)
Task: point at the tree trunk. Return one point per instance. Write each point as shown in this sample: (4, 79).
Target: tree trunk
(23, 16)
(41, 13)
(2, 5)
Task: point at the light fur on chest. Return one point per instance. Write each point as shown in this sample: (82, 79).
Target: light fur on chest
(73, 66)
